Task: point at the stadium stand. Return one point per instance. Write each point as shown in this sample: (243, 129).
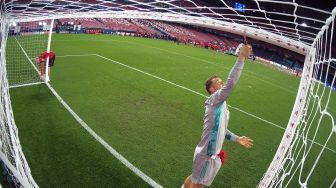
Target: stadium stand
(202, 37)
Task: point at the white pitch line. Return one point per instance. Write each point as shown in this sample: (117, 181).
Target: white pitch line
(117, 155)
(252, 115)
(251, 74)
(24, 85)
(198, 93)
(185, 88)
(152, 75)
(30, 61)
(76, 55)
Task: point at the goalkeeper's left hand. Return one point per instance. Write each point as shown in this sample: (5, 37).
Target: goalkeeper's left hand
(245, 141)
(244, 52)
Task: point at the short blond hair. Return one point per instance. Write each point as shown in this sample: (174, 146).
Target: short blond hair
(209, 82)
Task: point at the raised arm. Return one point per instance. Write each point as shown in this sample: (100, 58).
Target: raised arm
(234, 75)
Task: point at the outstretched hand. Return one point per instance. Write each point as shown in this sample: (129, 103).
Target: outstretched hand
(245, 51)
(38, 60)
(245, 141)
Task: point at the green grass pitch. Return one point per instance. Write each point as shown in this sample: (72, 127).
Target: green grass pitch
(152, 123)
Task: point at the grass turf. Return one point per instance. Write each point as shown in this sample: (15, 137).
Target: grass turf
(59, 153)
(155, 125)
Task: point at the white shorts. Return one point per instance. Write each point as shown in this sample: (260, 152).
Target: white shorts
(205, 169)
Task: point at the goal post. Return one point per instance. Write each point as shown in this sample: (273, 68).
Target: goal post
(26, 41)
(311, 130)
(296, 115)
(47, 79)
(11, 155)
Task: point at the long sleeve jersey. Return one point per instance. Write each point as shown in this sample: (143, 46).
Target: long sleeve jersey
(216, 116)
(44, 55)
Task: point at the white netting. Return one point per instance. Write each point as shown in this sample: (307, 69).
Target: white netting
(282, 21)
(25, 42)
(310, 135)
(11, 154)
(289, 24)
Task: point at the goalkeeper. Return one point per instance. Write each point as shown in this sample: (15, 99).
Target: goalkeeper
(208, 156)
(42, 59)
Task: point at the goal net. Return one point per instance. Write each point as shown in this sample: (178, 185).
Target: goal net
(25, 42)
(310, 133)
(11, 155)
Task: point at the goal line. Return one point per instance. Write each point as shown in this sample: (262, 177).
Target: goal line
(117, 155)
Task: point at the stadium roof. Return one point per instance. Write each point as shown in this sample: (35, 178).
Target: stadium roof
(296, 20)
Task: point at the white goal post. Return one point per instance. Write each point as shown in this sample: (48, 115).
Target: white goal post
(308, 116)
(11, 154)
(311, 104)
(25, 42)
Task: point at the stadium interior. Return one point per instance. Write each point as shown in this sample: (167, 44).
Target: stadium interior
(124, 103)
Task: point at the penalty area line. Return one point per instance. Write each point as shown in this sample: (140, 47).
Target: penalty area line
(172, 83)
(198, 93)
(185, 88)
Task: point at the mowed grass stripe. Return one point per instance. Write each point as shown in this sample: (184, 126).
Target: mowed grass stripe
(240, 110)
(59, 152)
(172, 51)
(117, 155)
(182, 87)
(156, 126)
(263, 78)
(136, 81)
(191, 74)
(137, 120)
